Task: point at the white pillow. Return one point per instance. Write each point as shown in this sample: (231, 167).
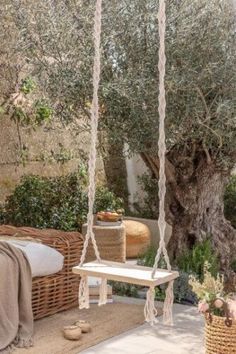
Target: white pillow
(43, 260)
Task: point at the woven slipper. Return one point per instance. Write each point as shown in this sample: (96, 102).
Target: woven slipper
(72, 332)
(83, 325)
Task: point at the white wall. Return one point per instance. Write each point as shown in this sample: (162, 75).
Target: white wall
(135, 167)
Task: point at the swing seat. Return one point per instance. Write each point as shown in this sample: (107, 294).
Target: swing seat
(123, 272)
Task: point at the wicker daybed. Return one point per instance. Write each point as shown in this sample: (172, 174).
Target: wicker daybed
(57, 292)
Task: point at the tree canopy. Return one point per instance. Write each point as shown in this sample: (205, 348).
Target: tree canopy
(55, 40)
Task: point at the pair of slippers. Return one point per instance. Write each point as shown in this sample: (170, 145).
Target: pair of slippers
(74, 332)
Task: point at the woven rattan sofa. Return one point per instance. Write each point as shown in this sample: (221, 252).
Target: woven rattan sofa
(57, 292)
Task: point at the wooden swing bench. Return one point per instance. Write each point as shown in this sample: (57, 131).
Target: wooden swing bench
(123, 272)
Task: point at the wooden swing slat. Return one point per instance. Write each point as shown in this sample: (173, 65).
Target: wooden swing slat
(126, 273)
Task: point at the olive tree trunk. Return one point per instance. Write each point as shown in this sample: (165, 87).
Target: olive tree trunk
(195, 207)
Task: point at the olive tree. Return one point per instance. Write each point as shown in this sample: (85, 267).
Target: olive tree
(201, 103)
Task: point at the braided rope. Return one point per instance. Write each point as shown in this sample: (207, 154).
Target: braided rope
(150, 311)
(94, 129)
(83, 296)
(169, 299)
(161, 142)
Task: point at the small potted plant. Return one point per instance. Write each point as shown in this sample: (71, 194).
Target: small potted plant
(219, 309)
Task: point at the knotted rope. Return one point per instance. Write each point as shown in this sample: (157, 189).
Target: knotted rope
(84, 287)
(94, 130)
(168, 304)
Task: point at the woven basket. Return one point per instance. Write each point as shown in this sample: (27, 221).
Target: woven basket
(220, 334)
(57, 292)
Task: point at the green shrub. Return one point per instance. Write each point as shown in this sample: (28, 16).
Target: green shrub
(28, 85)
(192, 261)
(43, 112)
(182, 291)
(148, 258)
(59, 202)
(124, 289)
(230, 201)
(106, 199)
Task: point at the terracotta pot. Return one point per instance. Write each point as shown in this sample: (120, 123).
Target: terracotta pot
(138, 238)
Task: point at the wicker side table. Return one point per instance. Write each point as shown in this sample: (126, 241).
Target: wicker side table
(111, 242)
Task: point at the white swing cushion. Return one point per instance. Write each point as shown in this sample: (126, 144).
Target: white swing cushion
(126, 273)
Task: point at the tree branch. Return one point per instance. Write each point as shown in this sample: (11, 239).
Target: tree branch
(153, 164)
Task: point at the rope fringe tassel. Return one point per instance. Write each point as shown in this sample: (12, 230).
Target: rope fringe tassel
(168, 305)
(84, 293)
(103, 292)
(150, 312)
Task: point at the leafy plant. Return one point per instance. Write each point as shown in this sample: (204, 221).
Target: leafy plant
(43, 111)
(105, 200)
(192, 261)
(40, 113)
(230, 201)
(27, 85)
(148, 258)
(20, 116)
(59, 202)
(182, 291)
(124, 289)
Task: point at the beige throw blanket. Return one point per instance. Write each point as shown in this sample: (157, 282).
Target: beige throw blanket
(16, 318)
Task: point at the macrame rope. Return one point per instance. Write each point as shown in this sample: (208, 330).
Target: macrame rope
(83, 293)
(103, 292)
(150, 312)
(161, 142)
(168, 304)
(94, 129)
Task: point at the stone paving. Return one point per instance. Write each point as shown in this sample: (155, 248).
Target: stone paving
(185, 337)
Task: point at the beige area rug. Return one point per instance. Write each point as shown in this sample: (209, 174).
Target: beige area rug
(107, 321)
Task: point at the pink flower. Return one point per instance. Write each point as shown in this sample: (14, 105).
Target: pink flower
(232, 308)
(203, 307)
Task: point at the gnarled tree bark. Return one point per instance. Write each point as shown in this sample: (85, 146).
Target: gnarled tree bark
(194, 204)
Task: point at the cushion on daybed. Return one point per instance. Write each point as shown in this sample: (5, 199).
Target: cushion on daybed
(43, 260)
